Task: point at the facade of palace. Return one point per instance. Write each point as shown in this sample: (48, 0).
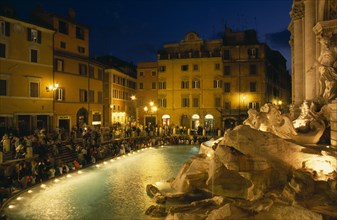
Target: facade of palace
(212, 83)
(313, 35)
(314, 56)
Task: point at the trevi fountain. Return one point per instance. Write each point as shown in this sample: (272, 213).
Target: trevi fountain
(275, 165)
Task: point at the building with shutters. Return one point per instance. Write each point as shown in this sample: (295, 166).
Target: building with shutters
(212, 83)
(26, 70)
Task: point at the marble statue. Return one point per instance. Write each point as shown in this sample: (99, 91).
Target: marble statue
(327, 67)
(280, 124)
(306, 129)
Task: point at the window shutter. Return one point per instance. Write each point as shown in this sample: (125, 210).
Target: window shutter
(7, 29)
(29, 35)
(39, 37)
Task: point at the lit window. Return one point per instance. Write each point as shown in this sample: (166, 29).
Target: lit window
(60, 94)
(34, 35)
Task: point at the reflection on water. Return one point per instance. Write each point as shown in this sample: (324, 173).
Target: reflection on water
(113, 190)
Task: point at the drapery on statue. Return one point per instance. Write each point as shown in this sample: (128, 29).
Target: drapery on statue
(327, 67)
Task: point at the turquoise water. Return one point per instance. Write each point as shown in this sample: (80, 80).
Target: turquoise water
(115, 189)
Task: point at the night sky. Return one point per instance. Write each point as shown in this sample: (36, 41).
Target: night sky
(133, 30)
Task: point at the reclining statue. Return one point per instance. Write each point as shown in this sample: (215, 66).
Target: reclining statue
(306, 129)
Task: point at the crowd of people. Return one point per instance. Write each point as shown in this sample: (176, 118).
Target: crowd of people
(36, 158)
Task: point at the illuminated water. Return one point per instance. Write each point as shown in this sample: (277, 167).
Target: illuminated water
(115, 190)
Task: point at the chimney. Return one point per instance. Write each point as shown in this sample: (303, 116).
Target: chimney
(71, 13)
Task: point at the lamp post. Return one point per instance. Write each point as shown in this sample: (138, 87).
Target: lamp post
(53, 88)
(243, 102)
(151, 109)
(279, 104)
(135, 111)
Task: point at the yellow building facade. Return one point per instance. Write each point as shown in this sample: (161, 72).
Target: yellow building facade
(148, 86)
(190, 69)
(119, 92)
(211, 84)
(26, 70)
(78, 80)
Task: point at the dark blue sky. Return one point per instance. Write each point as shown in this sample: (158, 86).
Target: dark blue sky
(133, 30)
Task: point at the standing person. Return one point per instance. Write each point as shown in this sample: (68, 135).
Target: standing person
(6, 143)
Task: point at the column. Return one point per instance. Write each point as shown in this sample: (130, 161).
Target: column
(298, 63)
(309, 51)
(333, 123)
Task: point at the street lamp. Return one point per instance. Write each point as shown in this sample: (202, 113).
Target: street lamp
(135, 110)
(53, 88)
(151, 109)
(243, 101)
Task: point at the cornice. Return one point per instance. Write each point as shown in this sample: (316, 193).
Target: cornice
(297, 11)
(326, 28)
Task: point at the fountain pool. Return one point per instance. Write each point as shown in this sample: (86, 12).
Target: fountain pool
(114, 189)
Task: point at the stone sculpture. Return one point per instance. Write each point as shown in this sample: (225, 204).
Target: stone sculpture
(327, 67)
(306, 129)
(250, 174)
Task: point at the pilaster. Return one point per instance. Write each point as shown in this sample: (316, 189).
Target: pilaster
(309, 51)
(298, 92)
(333, 122)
